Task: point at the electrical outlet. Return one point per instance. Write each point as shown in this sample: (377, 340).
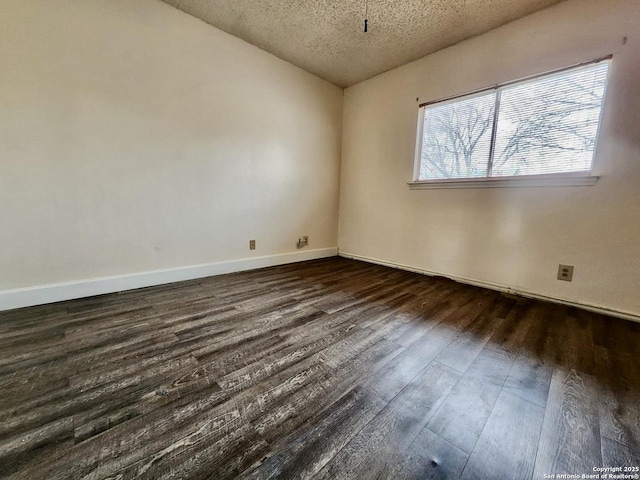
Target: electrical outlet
(305, 240)
(565, 272)
(252, 244)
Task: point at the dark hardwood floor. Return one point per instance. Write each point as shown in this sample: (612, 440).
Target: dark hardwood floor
(329, 369)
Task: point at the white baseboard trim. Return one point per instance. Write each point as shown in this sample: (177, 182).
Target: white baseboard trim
(57, 292)
(501, 288)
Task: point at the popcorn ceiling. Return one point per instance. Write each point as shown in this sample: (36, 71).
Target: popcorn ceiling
(326, 37)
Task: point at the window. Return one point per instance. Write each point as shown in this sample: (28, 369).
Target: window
(546, 125)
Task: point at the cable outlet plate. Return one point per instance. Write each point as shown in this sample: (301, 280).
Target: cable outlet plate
(252, 244)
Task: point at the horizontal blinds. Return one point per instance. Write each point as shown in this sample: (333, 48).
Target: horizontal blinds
(546, 125)
(457, 138)
(550, 125)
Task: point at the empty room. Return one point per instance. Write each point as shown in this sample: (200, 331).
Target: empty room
(364, 239)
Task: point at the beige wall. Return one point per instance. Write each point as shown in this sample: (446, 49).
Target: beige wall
(134, 137)
(512, 237)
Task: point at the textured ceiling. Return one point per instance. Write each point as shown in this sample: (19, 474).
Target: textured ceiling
(325, 37)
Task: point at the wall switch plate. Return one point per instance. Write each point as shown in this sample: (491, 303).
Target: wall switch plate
(252, 244)
(565, 272)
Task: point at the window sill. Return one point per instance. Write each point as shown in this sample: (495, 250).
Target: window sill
(562, 180)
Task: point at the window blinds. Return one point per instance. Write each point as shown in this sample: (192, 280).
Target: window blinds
(540, 126)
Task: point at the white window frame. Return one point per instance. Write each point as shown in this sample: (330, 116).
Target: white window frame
(564, 179)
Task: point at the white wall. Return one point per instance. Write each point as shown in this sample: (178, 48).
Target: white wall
(510, 237)
(135, 138)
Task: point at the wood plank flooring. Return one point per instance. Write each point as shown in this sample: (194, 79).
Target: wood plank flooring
(329, 369)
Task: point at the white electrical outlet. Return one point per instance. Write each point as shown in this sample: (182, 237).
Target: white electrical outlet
(565, 272)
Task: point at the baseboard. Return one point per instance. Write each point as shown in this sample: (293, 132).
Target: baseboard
(501, 288)
(42, 294)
